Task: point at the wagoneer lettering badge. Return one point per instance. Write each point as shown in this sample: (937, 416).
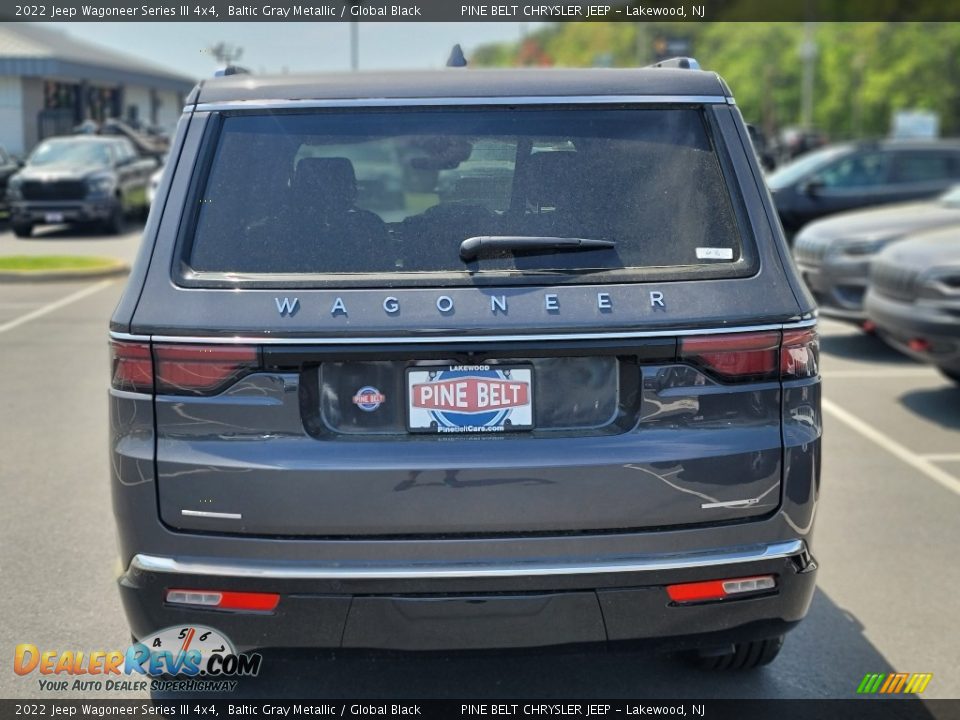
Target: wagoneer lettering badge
(288, 307)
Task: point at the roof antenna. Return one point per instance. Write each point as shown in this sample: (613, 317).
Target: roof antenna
(456, 58)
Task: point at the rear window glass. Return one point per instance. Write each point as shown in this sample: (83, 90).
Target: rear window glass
(374, 192)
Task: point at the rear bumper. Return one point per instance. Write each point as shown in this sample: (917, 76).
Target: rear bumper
(481, 606)
(899, 323)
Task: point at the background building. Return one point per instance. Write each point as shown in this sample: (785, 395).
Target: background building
(50, 82)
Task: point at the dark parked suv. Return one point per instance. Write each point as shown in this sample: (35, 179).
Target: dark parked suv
(79, 180)
(581, 407)
(858, 175)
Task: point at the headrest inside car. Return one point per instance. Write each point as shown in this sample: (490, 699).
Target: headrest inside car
(328, 182)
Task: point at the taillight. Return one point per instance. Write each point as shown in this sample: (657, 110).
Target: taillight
(223, 600)
(201, 369)
(755, 356)
(799, 354)
(739, 356)
(179, 369)
(132, 366)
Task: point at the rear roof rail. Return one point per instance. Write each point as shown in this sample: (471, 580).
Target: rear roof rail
(684, 63)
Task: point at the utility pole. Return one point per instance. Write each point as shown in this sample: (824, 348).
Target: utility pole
(355, 36)
(642, 45)
(808, 54)
(354, 45)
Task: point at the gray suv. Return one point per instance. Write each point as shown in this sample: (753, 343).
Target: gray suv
(834, 255)
(579, 404)
(914, 298)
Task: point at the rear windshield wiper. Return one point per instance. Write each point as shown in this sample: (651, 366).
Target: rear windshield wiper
(473, 247)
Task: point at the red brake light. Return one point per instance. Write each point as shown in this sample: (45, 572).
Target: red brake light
(200, 369)
(800, 354)
(734, 355)
(755, 356)
(132, 367)
(697, 592)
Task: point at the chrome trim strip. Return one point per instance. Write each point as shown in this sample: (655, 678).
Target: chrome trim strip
(128, 337)
(459, 339)
(730, 504)
(210, 514)
(453, 101)
(151, 563)
(129, 395)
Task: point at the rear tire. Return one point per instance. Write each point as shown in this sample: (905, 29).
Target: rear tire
(22, 229)
(117, 222)
(745, 656)
(950, 375)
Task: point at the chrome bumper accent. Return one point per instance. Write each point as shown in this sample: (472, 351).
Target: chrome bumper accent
(152, 563)
(419, 339)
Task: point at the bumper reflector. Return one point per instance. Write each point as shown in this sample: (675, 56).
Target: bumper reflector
(765, 582)
(919, 345)
(213, 599)
(719, 589)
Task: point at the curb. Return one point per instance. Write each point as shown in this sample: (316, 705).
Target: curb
(25, 276)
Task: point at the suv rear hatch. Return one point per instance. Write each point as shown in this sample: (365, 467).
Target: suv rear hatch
(333, 363)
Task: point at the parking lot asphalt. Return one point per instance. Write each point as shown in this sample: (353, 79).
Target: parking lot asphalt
(886, 536)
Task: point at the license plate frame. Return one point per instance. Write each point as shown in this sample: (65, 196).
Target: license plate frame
(456, 404)
(53, 218)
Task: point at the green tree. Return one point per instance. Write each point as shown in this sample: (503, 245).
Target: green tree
(864, 72)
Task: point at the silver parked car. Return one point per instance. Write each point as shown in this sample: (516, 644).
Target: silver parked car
(834, 254)
(914, 298)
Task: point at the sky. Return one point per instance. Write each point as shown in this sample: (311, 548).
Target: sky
(294, 47)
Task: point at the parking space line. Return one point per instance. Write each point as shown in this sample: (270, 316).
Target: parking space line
(942, 457)
(55, 305)
(919, 463)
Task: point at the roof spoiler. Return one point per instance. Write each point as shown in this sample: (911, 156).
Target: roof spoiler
(684, 63)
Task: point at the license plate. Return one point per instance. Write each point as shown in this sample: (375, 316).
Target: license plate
(53, 217)
(469, 398)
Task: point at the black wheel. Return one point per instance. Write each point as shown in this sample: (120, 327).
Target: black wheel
(745, 656)
(117, 222)
(951, 374)
(22, 229)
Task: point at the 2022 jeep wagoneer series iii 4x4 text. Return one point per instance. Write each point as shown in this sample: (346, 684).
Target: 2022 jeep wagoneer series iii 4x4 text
(467, 359)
